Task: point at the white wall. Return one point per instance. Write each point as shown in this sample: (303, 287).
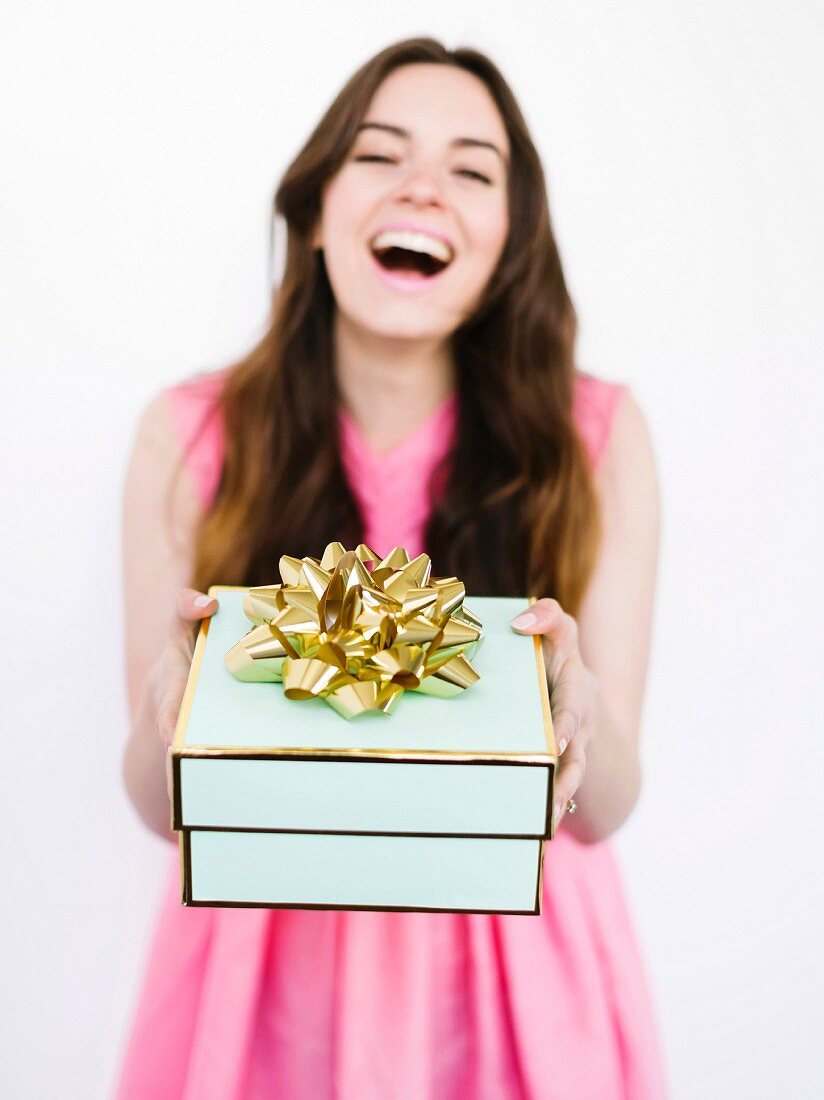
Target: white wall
(682, 143)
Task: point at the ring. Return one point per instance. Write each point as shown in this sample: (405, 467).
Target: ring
(571, 806)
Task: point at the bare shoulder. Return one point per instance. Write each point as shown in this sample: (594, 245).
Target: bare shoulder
(157, 411)
(155, 434)
(160, 511)
(627, 476)
(630, 440)
(157, 470)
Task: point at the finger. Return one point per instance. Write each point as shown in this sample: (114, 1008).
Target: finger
(559, 633)
(192, 605)
(569, 699)
(169, 779)
(568, 778)
(168, 709)
(546, 616)
(566, 724)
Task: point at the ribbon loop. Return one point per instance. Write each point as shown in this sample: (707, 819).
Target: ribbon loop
(335, 631)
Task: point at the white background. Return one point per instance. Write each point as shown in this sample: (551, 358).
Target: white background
(142, 143)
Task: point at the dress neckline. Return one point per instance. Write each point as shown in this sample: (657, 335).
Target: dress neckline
(435, 426)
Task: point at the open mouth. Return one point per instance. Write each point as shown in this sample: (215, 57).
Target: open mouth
(408, 253)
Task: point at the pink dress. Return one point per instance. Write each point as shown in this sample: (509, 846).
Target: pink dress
(246, 1004)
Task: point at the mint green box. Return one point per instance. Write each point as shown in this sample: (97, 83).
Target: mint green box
(443, 806)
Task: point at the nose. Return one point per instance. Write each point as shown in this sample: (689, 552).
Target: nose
(421, 187)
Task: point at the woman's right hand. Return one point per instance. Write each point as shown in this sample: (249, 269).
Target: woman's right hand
(171, 671)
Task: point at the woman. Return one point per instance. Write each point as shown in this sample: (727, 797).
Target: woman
(416, 387)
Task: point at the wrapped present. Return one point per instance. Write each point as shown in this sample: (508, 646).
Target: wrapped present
(363, 739)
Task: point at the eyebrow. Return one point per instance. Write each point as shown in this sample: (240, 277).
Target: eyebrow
(457, 143)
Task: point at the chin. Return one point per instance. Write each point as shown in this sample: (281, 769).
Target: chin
(407, 321)
(409, 331)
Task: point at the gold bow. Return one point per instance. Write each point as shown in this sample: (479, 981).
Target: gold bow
(358, 639)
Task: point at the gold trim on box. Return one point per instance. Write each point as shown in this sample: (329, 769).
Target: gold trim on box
(552, 748)
(194, 672)
(543, 690)
(362, 908)
(198, 828)
(540, 892)
(185, 893)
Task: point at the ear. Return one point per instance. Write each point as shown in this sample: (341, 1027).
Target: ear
(316, 240)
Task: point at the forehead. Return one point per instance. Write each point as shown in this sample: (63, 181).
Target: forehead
(438, 102)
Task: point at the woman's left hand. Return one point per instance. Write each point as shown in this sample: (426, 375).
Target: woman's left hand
(572, 693)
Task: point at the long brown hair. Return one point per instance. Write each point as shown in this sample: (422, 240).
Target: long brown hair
(515, 513)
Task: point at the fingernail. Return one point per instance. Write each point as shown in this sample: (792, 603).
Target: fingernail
(562, 745)
(201, 601)
(526, 618)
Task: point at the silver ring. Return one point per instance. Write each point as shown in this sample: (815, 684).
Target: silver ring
(571, 806)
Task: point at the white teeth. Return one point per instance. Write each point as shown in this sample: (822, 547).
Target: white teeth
(414, 242)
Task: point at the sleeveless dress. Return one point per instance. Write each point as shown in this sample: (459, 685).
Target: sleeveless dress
(247, 1004)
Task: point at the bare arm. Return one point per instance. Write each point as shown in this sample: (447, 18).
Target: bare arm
(615, 624)
(597, 665)
(157, 549)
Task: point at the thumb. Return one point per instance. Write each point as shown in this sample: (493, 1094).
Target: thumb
(193, 605)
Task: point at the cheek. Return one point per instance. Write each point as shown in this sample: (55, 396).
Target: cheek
(346, 211)
(345, 206)
(498, 232)
(489, 234)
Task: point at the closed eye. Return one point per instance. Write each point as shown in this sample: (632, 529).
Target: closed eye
(472, 174)
(469, 173)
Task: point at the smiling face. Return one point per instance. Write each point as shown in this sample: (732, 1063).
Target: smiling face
(415, 220)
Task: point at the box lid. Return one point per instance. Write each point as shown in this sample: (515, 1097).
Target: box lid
(502, 719)
(506, 713)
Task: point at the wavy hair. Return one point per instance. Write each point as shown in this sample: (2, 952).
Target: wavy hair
(515, 511)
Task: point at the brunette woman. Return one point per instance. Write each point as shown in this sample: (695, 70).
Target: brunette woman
(417, 385)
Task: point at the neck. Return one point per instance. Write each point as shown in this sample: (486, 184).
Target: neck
(389, 386)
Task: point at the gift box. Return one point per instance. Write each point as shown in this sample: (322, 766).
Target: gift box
(435, 800)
